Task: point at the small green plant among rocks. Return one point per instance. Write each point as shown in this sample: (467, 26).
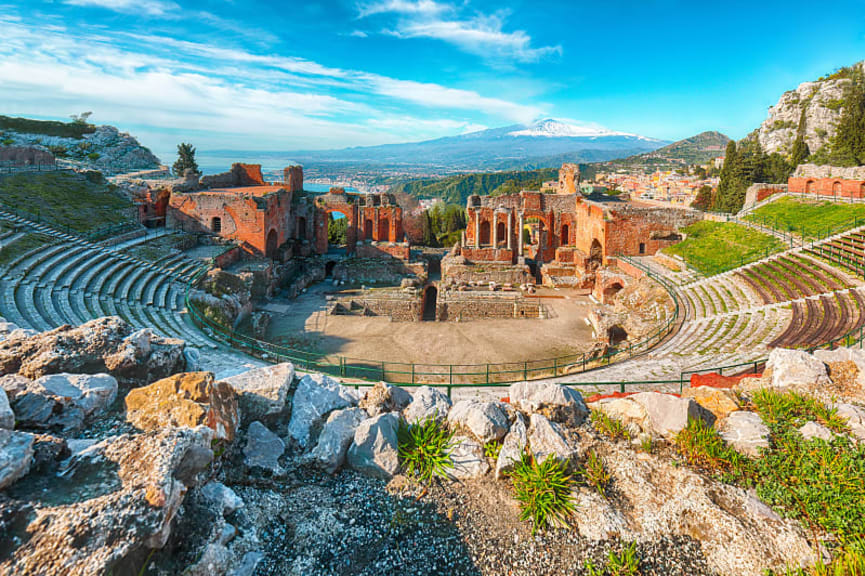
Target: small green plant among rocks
(425, 449)
(543, 490)
(609, 427)
(702, 446)
(625, 562)
(492, 449)
(646, 444)
(595, 473)
(794, 409)
(849, 561)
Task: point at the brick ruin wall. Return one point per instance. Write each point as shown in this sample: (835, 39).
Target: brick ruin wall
(636, 230)
(759, 192)
(463, 273)
(399, 307)
(828, 181)
(239, 175)
(455, 306)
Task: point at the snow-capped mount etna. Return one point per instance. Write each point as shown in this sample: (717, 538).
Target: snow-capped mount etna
(543, 143)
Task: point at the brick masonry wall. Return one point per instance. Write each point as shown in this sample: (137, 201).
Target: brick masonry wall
(828, 187)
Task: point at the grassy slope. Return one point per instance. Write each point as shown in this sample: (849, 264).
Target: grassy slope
(28, 242)
(64, 199)
(46, 127)
(712, 247)
(812, 218)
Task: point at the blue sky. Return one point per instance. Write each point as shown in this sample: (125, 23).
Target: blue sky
(271, 75)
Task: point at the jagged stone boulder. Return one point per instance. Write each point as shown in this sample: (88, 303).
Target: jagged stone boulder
(667, 415)
(224, 498)
(513, 446)
(384, 398)
(796, 370)
(336, 437)
(59, 401)
(106, 344)
(632, 415)
(486, 421)
(375, 449)
(427, 402)
(854, 417)
(7, 417)
(468, 459)
(144, 478)
(16, 454)
(547, 439)
(556, 402)
(187, 399)
(262, 392)
(719, 401)
(746, 432)
(316, 397)
(811, 430)
(263, 448)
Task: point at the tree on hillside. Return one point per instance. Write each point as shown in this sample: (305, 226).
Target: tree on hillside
(800, 151)
(848, 146)
(731, 180)
(185, 159)
(81, 118)
(703, 200)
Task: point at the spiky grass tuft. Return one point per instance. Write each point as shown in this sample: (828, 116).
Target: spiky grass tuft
(543, 491)
(425, 449)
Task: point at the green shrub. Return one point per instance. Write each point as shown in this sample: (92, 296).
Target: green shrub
(702, 446)
(609, 427)
(849, 561)
(543, 491)
(781, 411)
(425, 449)
(46, 127)
(626, 562)
(492, 449)
(595, 473)
(646, 444)
(93, 156)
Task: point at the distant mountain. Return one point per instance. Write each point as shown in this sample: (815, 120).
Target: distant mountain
(699, 149)
(542, 144)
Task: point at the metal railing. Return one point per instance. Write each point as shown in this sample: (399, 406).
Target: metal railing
(446, 375)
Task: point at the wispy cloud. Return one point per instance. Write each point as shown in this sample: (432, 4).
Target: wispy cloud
(147, 7)
(480, 34)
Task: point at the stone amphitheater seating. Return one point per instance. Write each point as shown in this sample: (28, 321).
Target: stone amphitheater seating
(846, 252)
(71, 281)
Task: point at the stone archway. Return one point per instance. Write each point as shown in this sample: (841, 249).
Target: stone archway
(616, 335)
(216, 225)
(836, 187)
(809, 187)
(367, 229)
(596, 256)
(301, 228)
(862, 190)
(430, 301)
(566, 235)
(501, 233)
(384, 230)
(611, 291)
(271, 244)
(485, 233)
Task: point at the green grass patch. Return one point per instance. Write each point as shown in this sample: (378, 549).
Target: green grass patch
(46, 127)
(808, 219)
(609, 427)
(425, 449)
(714, 247)
(595, 474)
(81, 203)
(625, 562)
(21, 246)
(702, 446)
(543, 491)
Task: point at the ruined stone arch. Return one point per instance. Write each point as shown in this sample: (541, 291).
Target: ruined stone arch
(216, 225)
(430, 303)
(367, 229)
(271, 244)
(485, 232)
(616, 335)
(862, 190)
(809, 187)
(384, 229)
(301, 228)
(596, 256)
(611, 290)
(836, 187)
(566, 235)
(501, 233)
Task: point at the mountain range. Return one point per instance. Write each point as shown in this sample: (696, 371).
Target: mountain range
(540, 144)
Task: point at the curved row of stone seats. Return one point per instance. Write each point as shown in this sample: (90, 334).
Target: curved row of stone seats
(792, 277)
(846, 252)
(820, 320)
(718, 295)
(72, 282)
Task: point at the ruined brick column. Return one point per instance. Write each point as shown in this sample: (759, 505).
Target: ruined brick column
(496, 229)
(477, 230)
(520, 235)
(510, 228)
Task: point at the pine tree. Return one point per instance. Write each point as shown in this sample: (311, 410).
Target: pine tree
(800, 151)
(848, 146)
(731, 174)
(185, 159)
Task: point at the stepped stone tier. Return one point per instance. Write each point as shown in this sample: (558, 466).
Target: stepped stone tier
(277, 220)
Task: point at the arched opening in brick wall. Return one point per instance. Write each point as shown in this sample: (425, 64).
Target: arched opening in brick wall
(384, 230)
(485, 232)
(836, 187)
(810, 186)
(430, 298)
(301, 228)
(862, 190)
(367, 229)
(501, 234)
(596, 256)
(566, 234)
(328, 268)
(216, 225)
(616, 335)
(611, 291)
(271, 244)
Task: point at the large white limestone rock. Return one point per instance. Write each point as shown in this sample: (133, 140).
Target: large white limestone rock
(375, 450)
(336, 437)
(486, 421)
(556, 402)
(316, 397)
(427, 402)
(746, 432)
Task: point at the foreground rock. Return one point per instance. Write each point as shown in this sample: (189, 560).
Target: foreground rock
(262, 392)
(513, 446)
(486, 421)
(468, 459)
(103, 345)
(59, 401)
(746, 432)
(336, 438)
(188, 399)
(719, 401)
(548, 439)
(796, 370)
(7, 417)
(653, 413)
(316, 396)
(384, 398)
(120, 498)
(263, 448)
(16, 454)
(558, 403)
(374, 451)
(427, 402)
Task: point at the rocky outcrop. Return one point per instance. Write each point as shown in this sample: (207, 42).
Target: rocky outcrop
(103, 345)
(263, 448)
(188, 399)
(654, 413)
(16, 454)
(513, 446)
(549, 439)
(384, 398)
(374, 451)
(58, 401)
(262, 392)
(427, 402)
(746, 432)
(796, 370)
(119, 498)
(336, 438)
(486, 421)
(316, 397)
(719, 401)
(467, 458)
(7, 417)
(821, 102)
(556, 402)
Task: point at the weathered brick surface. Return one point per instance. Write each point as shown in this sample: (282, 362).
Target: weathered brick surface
(828, 187)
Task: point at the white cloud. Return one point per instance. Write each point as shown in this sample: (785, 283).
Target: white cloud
(148, 7)
(479, 34)
(358, 34)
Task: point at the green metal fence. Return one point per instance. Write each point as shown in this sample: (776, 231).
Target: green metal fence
(448, 375)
